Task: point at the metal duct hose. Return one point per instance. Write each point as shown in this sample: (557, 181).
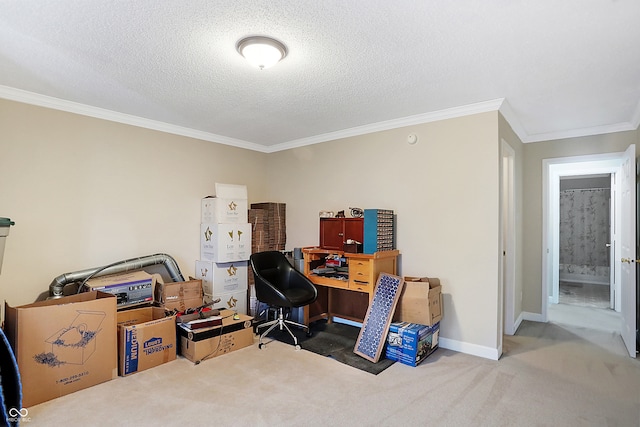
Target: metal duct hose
(56, 288)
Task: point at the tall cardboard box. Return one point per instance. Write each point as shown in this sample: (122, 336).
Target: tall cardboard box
(63, 345)
(420, 301)
(146, 338)
(206, 343)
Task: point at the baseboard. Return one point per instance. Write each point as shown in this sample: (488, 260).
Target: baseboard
(518, 323)
(534, 317)
(468, 348)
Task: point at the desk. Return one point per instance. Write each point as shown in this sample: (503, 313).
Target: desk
(348, 298)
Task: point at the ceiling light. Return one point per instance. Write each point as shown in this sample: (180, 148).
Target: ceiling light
(261, 52)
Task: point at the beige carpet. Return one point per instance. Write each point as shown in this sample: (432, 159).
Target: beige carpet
(550, 375)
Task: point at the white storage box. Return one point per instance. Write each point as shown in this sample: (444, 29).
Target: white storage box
(236, 301)
(221, 278)
(225, 242)
(229, 205)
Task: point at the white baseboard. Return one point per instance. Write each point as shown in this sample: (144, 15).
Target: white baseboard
(468, 348)
(534, 317)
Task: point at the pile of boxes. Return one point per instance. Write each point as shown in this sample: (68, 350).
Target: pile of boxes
(414, 333)
(225, 247)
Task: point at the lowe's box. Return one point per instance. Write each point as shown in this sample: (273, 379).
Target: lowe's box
(225, 242)
(420, 301)
(146, 338)
(206, 343)
(410, 343)
(229, 205)
(63, 345)
(221, 278)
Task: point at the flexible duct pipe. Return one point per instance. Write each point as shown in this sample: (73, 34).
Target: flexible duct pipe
(56, 288)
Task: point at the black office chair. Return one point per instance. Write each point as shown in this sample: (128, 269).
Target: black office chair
(280, 285)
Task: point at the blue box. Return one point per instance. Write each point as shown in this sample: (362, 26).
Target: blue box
(411, 343)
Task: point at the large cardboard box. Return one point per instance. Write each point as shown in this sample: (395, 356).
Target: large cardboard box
(229, 205)
(63, 345)
(236, 301)
(131, 288)
(146, 338)
(179, 295)
(206, 343)
(410, 343)
(225, 242)
(222, 278)
(420, 301)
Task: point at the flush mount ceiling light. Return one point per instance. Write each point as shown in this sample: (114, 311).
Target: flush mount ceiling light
(261, 52)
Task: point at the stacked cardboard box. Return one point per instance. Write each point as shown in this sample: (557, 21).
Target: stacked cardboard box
(275, 224)
(225, 247)
(259, 240)
(269, 233)
(414, 333)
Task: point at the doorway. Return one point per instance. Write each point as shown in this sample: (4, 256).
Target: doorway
(585, 236)
(605, 164)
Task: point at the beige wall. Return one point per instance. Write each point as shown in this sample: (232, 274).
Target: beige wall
(444, 190)
(534, 154)
(86, 192)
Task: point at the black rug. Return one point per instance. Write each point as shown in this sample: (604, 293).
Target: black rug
(334, 340)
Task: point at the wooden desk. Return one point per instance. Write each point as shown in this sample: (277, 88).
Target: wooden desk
(348, 299)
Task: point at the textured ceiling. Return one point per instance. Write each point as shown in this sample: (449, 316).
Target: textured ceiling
(554, 68)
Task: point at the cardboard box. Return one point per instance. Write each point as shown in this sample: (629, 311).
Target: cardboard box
(132, 288)
(221, 278)
(179, 295)
(225, 242)
(410, 343)
(207, 343)
(63, 345)
(236, 301)
(146, 338)
(420, 301)
(229, 205)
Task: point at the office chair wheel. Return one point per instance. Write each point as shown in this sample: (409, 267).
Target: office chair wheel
(298, 347)
(260, 345)
(309, 334)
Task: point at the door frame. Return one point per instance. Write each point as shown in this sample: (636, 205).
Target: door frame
(553, 169)
(507, 254)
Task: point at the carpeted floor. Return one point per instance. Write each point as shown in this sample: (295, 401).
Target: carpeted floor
(333, 340)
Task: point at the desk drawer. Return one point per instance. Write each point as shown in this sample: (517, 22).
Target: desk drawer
(359, 285)
(359, 270)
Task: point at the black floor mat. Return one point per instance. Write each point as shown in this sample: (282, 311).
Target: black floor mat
(334, 340)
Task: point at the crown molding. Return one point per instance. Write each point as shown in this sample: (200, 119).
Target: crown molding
(499, 104)
(101, 113)
(449, 113)
(577, 133)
